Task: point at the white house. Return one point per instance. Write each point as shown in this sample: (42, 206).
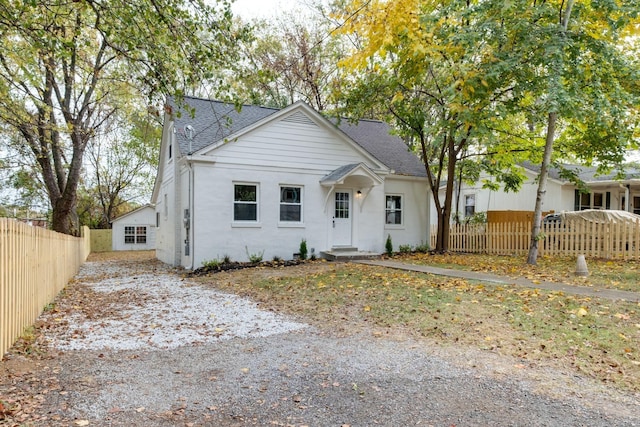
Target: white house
(259, 180)
(134, 231)
(605, 192)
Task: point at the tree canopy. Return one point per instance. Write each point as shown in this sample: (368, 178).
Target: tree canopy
(290, 58)
(476, 79)
(67, 67)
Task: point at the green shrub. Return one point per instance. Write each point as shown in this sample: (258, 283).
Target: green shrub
(276, 258)
(476, 218)
(254, 258)
(211, 264)
(303, 249)
(389, 245)
(404, 249)
(226, 259)
(422, 248)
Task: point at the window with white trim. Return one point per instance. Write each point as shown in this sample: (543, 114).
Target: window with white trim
(290, 204)
(598, 201)
(585, 201)
(135, 235)
(469, 205)
(636, 204)
(393, 209)
(245, 202)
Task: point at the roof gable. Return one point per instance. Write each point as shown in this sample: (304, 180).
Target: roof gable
(213, 122)
(134, 212)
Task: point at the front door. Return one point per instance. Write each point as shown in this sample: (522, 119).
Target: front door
(342, 213)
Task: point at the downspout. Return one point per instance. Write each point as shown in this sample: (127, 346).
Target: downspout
(190, 196)
(189, 133)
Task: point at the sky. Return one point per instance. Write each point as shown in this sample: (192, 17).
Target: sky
(250, 9)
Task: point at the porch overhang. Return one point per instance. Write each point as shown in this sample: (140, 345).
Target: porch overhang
(356, 175)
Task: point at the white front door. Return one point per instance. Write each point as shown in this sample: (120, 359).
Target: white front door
(342, 214)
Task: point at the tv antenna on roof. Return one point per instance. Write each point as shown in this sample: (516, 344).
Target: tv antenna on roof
(189, 132)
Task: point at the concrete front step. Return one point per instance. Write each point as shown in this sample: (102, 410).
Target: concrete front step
(347, 254)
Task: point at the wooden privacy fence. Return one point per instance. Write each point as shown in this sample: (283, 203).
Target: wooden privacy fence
(35, 264)
(596, 240)
(101, 240)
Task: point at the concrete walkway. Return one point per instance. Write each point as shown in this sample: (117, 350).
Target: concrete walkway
(502, 280)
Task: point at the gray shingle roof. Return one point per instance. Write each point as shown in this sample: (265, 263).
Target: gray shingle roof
(339, 173)
(586, 173)
(376, 138)
(212, 121)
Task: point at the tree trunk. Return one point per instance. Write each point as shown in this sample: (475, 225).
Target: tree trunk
(548, 145)
(64, 216)
(444, 214)
(542, 189)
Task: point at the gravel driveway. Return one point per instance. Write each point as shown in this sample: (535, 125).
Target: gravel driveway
(157, 350)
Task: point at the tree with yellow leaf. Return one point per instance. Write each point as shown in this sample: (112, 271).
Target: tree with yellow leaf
(469, 78)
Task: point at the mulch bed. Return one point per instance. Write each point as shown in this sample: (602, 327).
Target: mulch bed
(235, 265)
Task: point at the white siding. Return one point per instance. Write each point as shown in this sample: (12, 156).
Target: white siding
(144, 217)
(165, 198)
(166, 234)
(182, 206)
(559, 197)
(288, 152)
(286, 144)
(216, 235)
(415, 203)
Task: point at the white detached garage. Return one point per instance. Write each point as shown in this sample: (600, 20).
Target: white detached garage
(135, 231)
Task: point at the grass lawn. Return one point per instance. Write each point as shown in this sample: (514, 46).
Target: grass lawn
(597, 337)
(617, 274)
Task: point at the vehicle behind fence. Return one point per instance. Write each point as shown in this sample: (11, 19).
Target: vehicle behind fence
(35, 264)
(619, 240)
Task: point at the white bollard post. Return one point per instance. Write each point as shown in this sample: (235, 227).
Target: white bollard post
(581, 266)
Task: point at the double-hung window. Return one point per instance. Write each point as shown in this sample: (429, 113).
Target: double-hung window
(469, 205)
(245, 202)
(135, 235)
(290, 204)
(393, 210)
(585, 201)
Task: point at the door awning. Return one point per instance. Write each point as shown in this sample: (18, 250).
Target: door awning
(354, 174)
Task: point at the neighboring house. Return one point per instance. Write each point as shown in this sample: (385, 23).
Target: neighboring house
(134, 231)
(259, 180)
(605, 192)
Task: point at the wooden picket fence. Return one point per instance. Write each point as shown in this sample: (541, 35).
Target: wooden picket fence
(35, 264)
(609, 241)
